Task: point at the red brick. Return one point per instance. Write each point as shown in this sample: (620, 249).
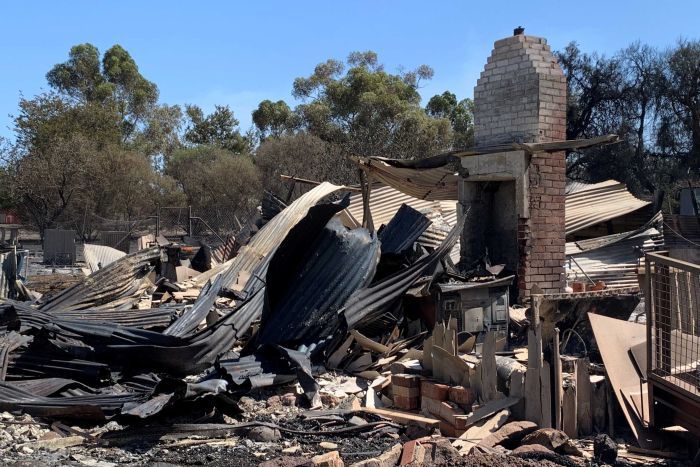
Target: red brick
(407, 381)
(465, 397)
(450, 410)
(406, 403)
(405, 392)
(430, 406)
(434, 390)
(329, 459)
(449, 430)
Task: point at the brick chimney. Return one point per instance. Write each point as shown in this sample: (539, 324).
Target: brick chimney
(521, 97)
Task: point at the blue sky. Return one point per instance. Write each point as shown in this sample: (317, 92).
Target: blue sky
(239, 53)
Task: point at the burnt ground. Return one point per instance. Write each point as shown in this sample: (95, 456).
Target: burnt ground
(21, 439)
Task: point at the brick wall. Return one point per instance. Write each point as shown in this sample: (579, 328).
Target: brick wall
(521, 96)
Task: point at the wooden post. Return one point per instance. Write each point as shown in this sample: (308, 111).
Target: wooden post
(599, 404)
(438, 341)
(546, 395)
(609, 398)
(488, 367)
(533, 375)
(584, 416)
(556, 380)
(569, 424)
(366, 184)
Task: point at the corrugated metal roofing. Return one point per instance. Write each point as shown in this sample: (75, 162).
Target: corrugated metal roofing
(310, 277)
(123, 280)
(615, 263)
(599, 242)
(271, 235)
(403, 230)
(436, 177)
(99, 256)
(385, 201)
(367, 305)
(436, 183)
(588, 205)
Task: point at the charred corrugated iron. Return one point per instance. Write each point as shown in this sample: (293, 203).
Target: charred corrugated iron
(369, 304)
(403, 230)
(122, 281)
(271, 235)
(309, 279)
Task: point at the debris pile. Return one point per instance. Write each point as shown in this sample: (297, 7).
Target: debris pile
(314, 342)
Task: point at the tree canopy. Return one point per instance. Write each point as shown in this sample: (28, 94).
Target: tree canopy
(357, 108)
(651, 98)
(100, 145)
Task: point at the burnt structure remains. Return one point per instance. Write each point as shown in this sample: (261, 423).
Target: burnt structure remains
(517, 198)
(465, 324)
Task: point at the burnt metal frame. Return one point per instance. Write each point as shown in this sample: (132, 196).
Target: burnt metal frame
(670, 404)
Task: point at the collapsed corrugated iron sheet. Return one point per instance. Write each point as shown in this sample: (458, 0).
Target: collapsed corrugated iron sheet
(52, 387)
(271, 235)
(385, 201)
(225, 251)
(30, 317)
(581, 246)
(190, 320)
(616, 262)
(369, 304)
(117, 284)
(435, 183)
(85, 407)
(99, 256)
(40, 363)
(591, 204)
(403, 230)
(309, 279)
(125, 347)
(8, 343)
(436, 177)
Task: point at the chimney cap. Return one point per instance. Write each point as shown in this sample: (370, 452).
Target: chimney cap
(519, 31)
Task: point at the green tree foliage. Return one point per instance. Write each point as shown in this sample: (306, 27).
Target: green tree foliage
(648, 97)
(115, 81)
(369, 112)
(275, 119)
(220, 128)
(351, 109)
(215, 180)
(459, 113)
(301, 155)
(83, 150)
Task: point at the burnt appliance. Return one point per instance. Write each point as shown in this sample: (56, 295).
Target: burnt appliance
(477, 306)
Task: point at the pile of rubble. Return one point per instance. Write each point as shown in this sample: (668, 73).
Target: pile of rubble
(313, 343)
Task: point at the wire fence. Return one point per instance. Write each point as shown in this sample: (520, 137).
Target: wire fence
(674, 321)
(211, 224)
